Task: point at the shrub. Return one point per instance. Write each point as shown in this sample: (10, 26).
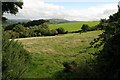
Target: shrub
(70, 66)
(61, 30)
(19, 28)
(107, 59)
(53, 32)
(12, 34)
(14, 59)
(9, 27)
(75, 71)
(85, 27)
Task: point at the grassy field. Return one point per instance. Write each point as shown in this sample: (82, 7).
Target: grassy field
(73, 26)
(48, 53)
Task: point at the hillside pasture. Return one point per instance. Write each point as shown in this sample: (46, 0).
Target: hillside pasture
(48, 53)
(73, 26)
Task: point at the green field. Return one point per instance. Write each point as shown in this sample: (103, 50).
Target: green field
(73, 26)
(48, 53)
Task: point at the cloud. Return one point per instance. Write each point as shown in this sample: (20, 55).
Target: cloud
(81, 0)
(38, 9)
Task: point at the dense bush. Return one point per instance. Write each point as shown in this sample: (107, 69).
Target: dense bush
(10, 27)
(12, 34)
(75, 71)
(61, 31)
(19, 31)
(53, 32)
(19, 28)
(107, 60)
(85, 27)
(28, 24)
(14, 59)
(4, 19)
(101, 26)
(35, 23)
(70, 66)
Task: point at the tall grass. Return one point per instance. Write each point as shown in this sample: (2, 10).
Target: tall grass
(49, 53)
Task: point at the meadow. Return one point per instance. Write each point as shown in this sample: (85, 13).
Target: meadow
(49, 53)
(59, 49)
(73, 26)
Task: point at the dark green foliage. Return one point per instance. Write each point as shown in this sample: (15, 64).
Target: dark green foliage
(103, 24)
(33, 28)
(4, 19)
(10, 27)
(19, 31)
(33, 23)
(42, 30)
(70, 66)
(75, 71)
(12, 34)
(19, 28)
(14, 59)
(107, 59)
(61, 31)
(36, 23)
(53, 32)
(11, 7)
(85, 27)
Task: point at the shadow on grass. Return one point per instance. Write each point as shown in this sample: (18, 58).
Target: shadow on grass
(75, 72)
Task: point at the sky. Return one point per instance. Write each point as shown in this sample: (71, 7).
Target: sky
(79, 10)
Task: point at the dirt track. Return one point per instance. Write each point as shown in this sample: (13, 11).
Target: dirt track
(37, 37)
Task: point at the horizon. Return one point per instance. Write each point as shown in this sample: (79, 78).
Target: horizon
(68, 10)
(49, 19)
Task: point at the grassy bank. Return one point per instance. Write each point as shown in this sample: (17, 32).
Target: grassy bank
(48, 53)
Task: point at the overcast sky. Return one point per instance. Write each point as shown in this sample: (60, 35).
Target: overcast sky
(80, 10)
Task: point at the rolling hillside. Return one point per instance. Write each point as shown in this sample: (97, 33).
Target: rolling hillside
(73, 26)
(58, 21)
(48, 53)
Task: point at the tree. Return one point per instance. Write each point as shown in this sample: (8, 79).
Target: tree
(107, 59)
(4, 19)
(61, 30)
(85, 27)
(14, 57)
(19, 28)
(103, 24)
(37, 23)
(11, 7)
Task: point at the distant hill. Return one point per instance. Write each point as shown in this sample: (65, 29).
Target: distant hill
(52, 21)
(13, 21)
(58, 21)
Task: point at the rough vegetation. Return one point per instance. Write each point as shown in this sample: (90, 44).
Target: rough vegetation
(15, 59)
(69, 56)
(50, 53)
(107, 59)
